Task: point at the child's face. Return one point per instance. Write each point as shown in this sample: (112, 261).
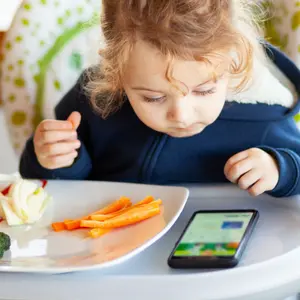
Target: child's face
(164, 108)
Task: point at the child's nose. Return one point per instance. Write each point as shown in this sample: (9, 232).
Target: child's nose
(179, 114)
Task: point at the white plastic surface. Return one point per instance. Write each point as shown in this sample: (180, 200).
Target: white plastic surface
(270, 268)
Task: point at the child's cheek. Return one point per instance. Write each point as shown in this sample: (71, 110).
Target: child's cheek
(150, 114)
(210, 109)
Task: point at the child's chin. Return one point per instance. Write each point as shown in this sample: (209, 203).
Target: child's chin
(183, 134)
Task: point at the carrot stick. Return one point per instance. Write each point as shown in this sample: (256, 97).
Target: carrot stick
(131, 217)
(121, 208)
(113, 207)
(68, 220)
(103, 217)
(119, 204)
(97, 232)
(72, 225)
(58, 226)
(154, 202)
(146, 200)
(150, 205)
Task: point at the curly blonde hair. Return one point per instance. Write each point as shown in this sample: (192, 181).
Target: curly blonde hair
(180, 29)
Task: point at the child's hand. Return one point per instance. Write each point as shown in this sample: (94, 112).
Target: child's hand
(55, 142)
(254, 170)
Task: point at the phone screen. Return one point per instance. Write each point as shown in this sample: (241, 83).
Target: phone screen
(214, 234)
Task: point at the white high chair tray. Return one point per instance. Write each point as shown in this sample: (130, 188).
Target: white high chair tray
(270, 268)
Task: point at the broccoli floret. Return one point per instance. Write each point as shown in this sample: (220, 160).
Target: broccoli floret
(4, 242)
(1, 253)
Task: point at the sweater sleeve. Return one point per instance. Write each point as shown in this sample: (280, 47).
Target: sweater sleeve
(282, 141)
(29, 166)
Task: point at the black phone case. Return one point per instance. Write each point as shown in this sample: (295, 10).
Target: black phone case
(210, 262)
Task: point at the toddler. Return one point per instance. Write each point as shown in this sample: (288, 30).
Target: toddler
(186, 92)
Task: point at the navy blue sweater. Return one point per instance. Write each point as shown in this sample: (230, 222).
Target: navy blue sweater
(122, 148)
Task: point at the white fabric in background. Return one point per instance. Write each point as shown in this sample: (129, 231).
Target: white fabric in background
(8, 9)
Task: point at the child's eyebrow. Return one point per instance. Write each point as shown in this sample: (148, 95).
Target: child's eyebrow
(141, 88)
(205, 82)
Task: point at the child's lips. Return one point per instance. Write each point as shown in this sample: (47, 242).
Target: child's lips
(190, 128)
(186, 131)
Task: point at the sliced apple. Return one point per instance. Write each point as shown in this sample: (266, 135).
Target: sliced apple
(25, 203)
(11, 217)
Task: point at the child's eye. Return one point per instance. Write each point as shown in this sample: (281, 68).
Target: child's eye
(204, 93)
(149, 100)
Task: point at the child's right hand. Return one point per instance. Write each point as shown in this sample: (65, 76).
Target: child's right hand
(56, 143)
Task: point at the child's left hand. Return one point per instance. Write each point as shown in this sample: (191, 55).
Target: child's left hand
(254, 170)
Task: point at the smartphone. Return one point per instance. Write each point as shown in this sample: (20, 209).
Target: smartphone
(214, 239)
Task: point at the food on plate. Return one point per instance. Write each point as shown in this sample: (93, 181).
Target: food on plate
(131, 217)
(6, 190)
(120, 204)
(97, 232)
(118, 214)
(23, 203)
(4, 243)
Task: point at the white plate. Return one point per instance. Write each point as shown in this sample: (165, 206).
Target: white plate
(38, 249)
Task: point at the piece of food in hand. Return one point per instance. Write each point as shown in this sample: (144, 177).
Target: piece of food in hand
(25, 203)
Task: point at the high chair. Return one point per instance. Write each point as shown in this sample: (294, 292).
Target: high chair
(50, 42)
(48, 45)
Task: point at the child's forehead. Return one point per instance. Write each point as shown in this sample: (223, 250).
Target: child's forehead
(147, 65)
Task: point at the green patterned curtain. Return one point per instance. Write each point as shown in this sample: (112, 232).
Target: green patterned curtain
(282, 26)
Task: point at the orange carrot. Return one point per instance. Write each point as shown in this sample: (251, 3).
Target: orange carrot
(131, 217)
(150, 205)
(146, 200)
(113, 207)
(68, 220)
(72, 224)
(103, 217)
(154, 202)
(119, 204)
(97, 232)
(58, 226)
(117, 214)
